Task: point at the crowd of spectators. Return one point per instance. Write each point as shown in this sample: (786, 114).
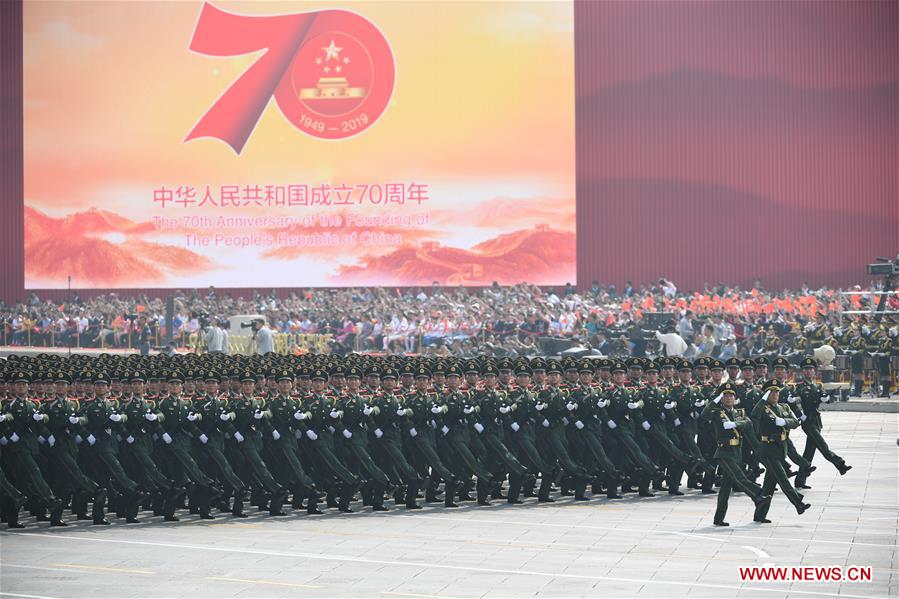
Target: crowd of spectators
(716, 321)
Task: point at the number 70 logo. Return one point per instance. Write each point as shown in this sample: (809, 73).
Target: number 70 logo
(331, 72)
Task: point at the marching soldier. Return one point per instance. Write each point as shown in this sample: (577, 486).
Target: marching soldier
(773, 422)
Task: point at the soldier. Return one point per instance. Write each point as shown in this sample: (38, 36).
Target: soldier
(215, 421)
(25, 422)
(103, 422)
(811, 395)
(249, 422)
(729, 453)
(427, 410)
(522, 436)
(773, 422)
(62, 421)
(349, 418)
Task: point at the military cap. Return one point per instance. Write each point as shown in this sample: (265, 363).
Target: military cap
(772, 385)
(389, 373)
(176, 376)
(569, 363)
(634, 363)
(61, 376)
(247, 377)
(684, 365)
(137, 376)
(472, 367)
(716, 364)
(505, 364)
(604, 364)
(523, 368)
(490, 369)
(454, 370)
(702, 362)
(284, 375)
(553, 366)
(208, 375)
(618, 366)
(780, 361)
(538, 365)
(761, 361)
(21, 376)
(373, 370)
(319, 374)
(422, 372)
(651, 367)
(407, 369)
(809, 363)
(585, 365)
(747, 364)
(100, 378)
(727, 387)
(353, 372)
(732, 363)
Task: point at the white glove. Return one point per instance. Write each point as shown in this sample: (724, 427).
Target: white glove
(91, 439)
(540, 406)
(662, 416)
(335, 414)
(631, 405)
(401, 412)
(564, 421)
(468, 409)
(579, 424)
(780, 421)
(299, 415)
(602, 403)
(718, 399)
(791, 398)
(150, 416)
(165, 437)
(14, 437)
(611, 424)
(413, 432)
(38, 417)
(73, 419)
(367, 410)
(378, 433)
(115, 417)
(646, 425)
(41, 440)
(130, 439)
(545, 423)
(224, 417)
(802, 418)
(825, 398)
(51, 440)
(298, 434)
(3, 440)
(504, 409)
(699, 403)
(444, 429)
(669, 405)
(192, 416)
(311, 434)
(570, 406)
(238, 437)
(677, 422)
(203, 438)
(730, 425)
(276, 435)
(479, 427)
(515, 427)
(435, 409)
(258, 414)
(347, 434)
(78, 439)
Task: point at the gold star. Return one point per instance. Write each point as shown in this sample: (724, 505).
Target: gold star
(346, 59)
(327, 69)
(337, 69)
(318, 60)
(332, 51)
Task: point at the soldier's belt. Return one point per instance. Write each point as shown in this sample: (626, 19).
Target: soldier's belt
(732, 443)
(767, 439)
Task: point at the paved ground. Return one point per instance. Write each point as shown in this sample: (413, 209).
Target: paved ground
(648, 547)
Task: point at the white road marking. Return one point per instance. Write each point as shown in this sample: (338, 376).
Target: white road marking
(436, 566)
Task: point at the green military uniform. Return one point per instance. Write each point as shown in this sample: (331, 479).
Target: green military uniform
(773, 422)
(729, 454)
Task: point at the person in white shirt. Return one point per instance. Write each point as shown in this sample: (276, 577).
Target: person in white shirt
(264, 338)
